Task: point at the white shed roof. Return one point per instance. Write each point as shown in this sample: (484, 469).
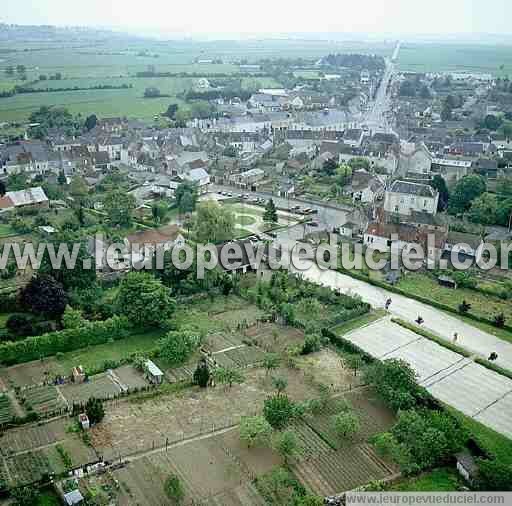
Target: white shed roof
(153, 369)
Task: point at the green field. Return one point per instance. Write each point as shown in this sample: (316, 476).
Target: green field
(439, 480)
(485, 58)
(5, 230)
(483, 305)
(91, 358)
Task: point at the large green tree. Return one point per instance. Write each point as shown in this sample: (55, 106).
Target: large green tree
(44, 295)
(213, 223)
(270, 214)
(484, 209)
(466, 190)
(177, 345)
(144, 300)
(119, 207)
(255, 430)
(186, 196)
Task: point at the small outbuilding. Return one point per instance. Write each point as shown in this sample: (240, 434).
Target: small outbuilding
(153, 373)
(83, 419)
(73, 497)
(447, 282)
(78, 374)
(467, 466)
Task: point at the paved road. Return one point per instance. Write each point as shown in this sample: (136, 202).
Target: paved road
(471, 338)
(376, 119)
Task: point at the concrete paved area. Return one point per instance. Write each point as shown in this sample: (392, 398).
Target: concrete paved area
(453, 379)
(443, 324)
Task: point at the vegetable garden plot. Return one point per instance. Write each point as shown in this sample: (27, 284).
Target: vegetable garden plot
(29, 467)
(342, 470)
(272, 337)
(44, 400)
(100, 386)
(6, 409)
(130, 377)
(245, 356)
(219, 342)
(34, 436)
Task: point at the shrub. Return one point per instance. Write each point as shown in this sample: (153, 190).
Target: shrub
(499, 320)
(278, 410)
(174, 489)
(464, 307)
(311, 344)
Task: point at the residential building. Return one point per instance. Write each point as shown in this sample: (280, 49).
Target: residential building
(31, 198)
(404, 198)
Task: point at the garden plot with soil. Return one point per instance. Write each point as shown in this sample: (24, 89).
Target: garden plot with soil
(274, 338)
(100, 386)
(31, 373)
(217, 470)
(132, 426)
(46, 401)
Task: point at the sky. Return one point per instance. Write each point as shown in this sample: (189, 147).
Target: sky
(270, 16)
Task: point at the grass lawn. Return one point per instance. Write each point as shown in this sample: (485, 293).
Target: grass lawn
(245, 209)
(6, 230)
(243, 219)
(91, 358)
(495, 444)
(443, 479)
(483, 305)
(355, 323)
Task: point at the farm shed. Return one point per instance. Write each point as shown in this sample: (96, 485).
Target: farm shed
(154, 374)
(73, 497)
(84, 421)
(447, 282)
(466, 466)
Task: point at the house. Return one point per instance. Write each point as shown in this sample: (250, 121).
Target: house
(353, 137)
(248, 177)
(237, 261)
(464, 244)
(100, 160)
(365, 187)
(466, 466)
(383, 236)
(200, 177)
(349, 229)
(414, 158)
(450, 168)
(404, 198)
(486, 167)
(467, 148)
(153, 373)
(32, 198)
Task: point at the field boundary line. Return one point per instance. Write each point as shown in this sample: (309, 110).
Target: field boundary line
(492, 403)
(177, 444)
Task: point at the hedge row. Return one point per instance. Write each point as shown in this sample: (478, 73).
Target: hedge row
(419, 298)
(37, 347)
